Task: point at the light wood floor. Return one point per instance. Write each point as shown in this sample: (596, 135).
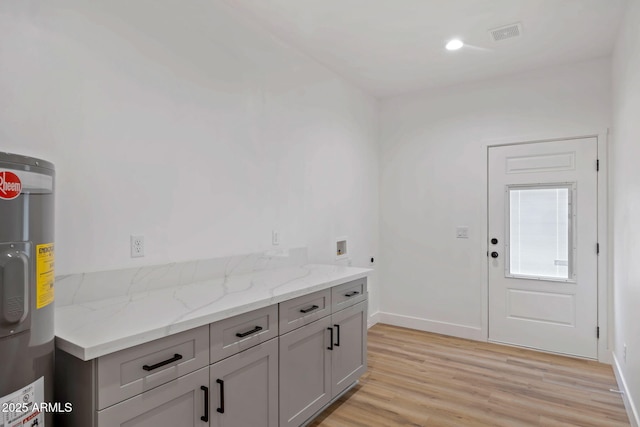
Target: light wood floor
(422, 379)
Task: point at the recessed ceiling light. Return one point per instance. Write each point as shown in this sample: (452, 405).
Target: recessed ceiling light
(454, 44)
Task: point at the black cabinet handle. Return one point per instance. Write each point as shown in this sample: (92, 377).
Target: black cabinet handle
(308, 309)
(175, 358)
(351, 294)
(205, 417)
(337, 343)
(221, 408)
(244, 334)
(330, 339)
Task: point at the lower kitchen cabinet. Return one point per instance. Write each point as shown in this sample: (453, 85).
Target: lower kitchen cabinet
(180, 402)
(305, 372)
(349, 355)
(244, 388)
(276, 366)
(319, 361)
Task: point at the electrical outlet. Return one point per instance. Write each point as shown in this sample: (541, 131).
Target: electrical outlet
(624, 352)
(137, 246)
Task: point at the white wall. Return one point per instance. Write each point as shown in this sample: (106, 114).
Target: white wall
(432, 166)
(183, 122)
(625, 153)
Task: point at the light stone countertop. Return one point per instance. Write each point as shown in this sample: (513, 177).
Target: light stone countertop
(92, 329)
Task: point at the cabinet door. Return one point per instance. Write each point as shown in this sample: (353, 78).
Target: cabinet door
(180, 402)
(244, 388)
(349, 355)
(305, 372)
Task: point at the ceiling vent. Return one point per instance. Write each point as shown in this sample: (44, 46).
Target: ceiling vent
(506, 32)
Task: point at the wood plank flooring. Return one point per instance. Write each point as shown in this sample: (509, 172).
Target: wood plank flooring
(421, 379)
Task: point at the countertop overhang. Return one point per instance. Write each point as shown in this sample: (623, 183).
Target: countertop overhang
(92, 329)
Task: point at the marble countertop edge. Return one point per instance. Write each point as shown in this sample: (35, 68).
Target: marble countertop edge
(85, 345)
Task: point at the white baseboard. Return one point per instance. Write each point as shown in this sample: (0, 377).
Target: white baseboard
(632, 411)
(373, 319)
(427, 325)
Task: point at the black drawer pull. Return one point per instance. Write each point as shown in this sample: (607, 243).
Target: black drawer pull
(221, 408)
(253, 331)
(337, 343)
(175, 358)
(330, 339)
(308, 309)
(205, 417)
(351, 294)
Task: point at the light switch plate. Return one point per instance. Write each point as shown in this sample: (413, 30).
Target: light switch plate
(462, 232)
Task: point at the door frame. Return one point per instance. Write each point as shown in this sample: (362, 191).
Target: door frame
(604, 259)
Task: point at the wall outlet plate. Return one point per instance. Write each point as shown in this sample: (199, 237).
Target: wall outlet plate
(137, 246)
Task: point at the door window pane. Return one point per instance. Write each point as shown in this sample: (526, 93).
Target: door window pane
(540, 232)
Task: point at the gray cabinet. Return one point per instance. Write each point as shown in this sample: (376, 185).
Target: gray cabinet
(321, 360)
(112, 389)
(178, 403)
(275, 366)
(305, 372)
(349, 354)
(244, 388)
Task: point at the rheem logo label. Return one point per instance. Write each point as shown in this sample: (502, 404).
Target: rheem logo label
(10, 185)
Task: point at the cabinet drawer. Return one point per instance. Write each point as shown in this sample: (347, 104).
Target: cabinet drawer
(303, 310)
(348, 294)
(241, 332)
(178, 403)
(129, 372)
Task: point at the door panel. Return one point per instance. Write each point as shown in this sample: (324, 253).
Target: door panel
(541, 306)
(542, 246)
(305, 372)
(349, 356)
(250, 384)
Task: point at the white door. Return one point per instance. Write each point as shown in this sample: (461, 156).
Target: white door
(543, 246)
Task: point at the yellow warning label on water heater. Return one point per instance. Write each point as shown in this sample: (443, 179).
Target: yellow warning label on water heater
(45, 278)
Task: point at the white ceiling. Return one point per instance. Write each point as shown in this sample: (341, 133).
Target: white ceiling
(389, 47)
